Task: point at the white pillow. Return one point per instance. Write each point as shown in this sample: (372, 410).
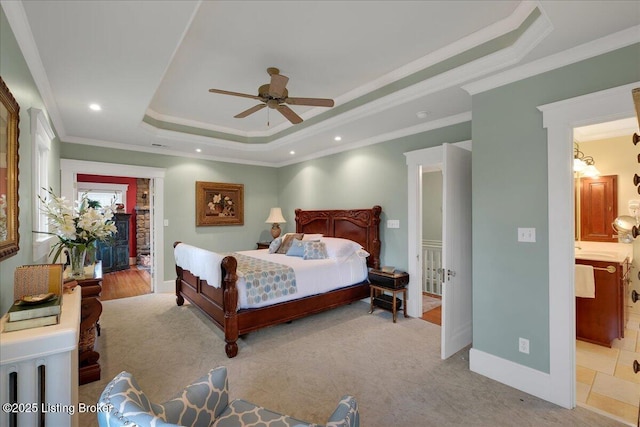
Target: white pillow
(315, 237)
(339, 248)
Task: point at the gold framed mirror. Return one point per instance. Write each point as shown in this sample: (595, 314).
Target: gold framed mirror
(9, 131)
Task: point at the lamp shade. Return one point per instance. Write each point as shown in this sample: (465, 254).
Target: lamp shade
(275, 217)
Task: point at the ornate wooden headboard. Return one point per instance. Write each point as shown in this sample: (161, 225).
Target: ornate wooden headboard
(359, 225)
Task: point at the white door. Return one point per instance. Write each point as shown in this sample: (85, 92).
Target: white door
(456, 250)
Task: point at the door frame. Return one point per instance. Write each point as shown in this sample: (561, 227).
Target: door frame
(68, 182)
(419, 161)
(560, 118)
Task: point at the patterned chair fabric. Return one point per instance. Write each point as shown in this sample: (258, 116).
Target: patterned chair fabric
(204, 403)
(123, 403)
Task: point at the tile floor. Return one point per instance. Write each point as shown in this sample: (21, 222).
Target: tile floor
(605, 380)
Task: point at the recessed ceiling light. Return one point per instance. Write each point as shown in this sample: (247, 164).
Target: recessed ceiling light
(337, 138)
(422, 114)
(198, 150)
(95, 107)
(292, 152)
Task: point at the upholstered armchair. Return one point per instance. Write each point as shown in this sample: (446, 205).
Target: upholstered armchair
(204, 403)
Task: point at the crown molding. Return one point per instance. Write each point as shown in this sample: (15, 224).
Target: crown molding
(162, 151)
(570, 56)
(423, 127)
(17, 18)
(400, 133)
(500, 28)
(537, 32)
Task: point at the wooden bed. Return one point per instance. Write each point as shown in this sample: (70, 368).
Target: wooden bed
(220, 304)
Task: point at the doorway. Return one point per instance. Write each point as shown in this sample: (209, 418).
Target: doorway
(70, 169)
(125, 259)
(559, 119)
(605, 381)
(454, 160)
(431, 280)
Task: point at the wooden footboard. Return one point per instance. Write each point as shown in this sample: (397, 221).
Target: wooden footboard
(220, 304)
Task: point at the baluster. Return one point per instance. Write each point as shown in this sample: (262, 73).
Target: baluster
(13, 398)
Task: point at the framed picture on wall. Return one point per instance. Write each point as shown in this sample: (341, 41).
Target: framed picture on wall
(219, 203)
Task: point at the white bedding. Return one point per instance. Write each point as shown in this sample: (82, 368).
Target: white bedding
(312, 276)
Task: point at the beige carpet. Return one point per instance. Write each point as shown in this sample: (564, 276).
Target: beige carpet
(303, 368)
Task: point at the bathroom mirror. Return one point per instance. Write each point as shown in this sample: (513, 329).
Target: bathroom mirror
(9, 119)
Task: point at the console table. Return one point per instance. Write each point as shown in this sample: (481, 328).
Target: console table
(91, 308)
(40, 366)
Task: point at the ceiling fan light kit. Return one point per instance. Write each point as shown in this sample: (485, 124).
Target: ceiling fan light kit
(275, 95)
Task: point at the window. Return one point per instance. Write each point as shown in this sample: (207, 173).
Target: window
(103, 192)
(42, 135)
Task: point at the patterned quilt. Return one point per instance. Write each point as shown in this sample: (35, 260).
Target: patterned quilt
(265, 279)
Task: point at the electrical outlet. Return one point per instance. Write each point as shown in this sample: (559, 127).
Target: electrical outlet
(523, 345)
(526, 234)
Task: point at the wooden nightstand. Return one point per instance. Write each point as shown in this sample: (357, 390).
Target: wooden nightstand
(394, 283)
(263, 245)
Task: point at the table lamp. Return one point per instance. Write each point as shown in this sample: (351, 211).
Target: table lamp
(275, 218)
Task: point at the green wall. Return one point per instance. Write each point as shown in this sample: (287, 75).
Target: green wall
(511, 279)
(16, 75)
(361, 178)
(181, 173)
(510, 297)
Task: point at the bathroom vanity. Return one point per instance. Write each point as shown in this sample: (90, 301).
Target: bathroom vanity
(601, 319)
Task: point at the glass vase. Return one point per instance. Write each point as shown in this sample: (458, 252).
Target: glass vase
(77, 255)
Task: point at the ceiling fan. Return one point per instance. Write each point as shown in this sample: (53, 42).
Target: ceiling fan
(275, 95)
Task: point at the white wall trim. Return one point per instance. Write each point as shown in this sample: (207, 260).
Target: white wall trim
(570, 56)
(41, 137)
(510, 373)
(559, 119)
(69, 172)
(167, 286)
(17, 17)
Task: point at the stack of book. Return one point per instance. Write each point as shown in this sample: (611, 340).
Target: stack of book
(23, 315)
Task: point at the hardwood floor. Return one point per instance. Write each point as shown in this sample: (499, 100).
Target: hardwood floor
(433, 316)
(125, 283)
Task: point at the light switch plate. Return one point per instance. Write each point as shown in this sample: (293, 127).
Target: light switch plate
(393, 223)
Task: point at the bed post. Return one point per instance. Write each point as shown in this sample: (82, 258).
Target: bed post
(179, 298)
(377, 210)
(230, 298)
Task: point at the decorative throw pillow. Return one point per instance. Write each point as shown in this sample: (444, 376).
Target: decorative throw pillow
(287, 241)
(315, 237)
(315, 250)
(273, 247)
(296, 249)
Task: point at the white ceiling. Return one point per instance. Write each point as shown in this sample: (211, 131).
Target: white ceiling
(157, 59)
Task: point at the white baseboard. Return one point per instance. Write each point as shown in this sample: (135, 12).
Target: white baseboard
(168, 286)
(512, 374)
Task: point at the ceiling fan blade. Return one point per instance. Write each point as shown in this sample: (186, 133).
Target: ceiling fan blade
(250, 111)
(226, 92)
(314, 102)
(277, 85)
(289, 114)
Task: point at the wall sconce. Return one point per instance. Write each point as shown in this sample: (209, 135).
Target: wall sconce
(584, 165)
(275, 218)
